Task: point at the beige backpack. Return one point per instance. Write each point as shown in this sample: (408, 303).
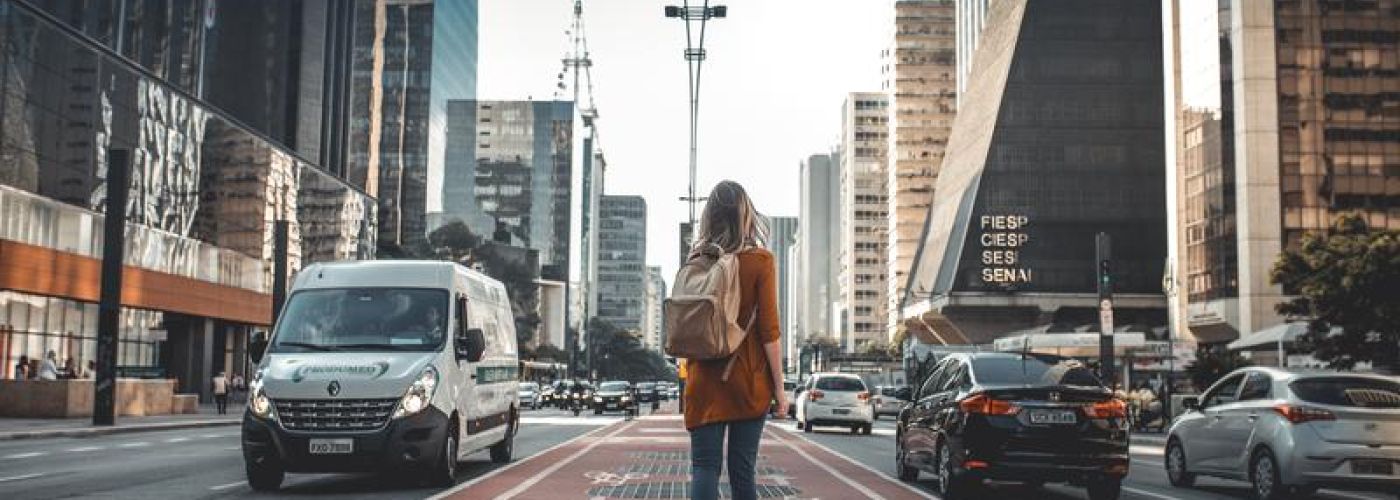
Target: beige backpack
(703, 311)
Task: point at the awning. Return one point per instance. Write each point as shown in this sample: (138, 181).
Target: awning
(1050, 342)
(1270, 338)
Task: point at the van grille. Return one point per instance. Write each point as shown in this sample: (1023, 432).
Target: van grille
(334, 414)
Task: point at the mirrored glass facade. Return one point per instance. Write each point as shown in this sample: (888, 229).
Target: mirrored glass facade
(622, 261)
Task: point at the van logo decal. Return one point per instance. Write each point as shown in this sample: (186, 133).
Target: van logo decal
(494, 374)
(367, 371)
(333, 388)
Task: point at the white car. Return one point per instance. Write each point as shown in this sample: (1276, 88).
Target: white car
(835, 399)
(529, 395)
(383, 365)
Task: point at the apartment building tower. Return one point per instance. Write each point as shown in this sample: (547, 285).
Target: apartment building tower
(864, 204)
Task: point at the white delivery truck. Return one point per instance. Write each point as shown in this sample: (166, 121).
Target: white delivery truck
(382, 365)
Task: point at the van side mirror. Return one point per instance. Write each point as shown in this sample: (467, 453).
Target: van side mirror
(903, 394)
(1191, 403)
(257, 347)
(471, 346)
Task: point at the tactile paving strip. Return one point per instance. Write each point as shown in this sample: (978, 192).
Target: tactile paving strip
(682, 469)
(681, 489)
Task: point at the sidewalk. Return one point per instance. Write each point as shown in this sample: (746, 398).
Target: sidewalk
(38, 428)
(649, 457)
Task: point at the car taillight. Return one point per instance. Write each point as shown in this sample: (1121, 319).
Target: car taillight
(1303, 414)
(814, 395)
(863, 396)
(987, 406)
(1113, 408)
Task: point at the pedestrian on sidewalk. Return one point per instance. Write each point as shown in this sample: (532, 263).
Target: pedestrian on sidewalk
(737, 405)
(220, 386)
(48, 369)
(22, 368)
(240, 389)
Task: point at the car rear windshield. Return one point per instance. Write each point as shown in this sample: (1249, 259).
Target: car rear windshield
(528, 386)
(840, 384)
(1032, 371)
(1357, 392)
(613, 386)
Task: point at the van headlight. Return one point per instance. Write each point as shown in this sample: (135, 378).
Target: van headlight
(257, 399)
(420, 393)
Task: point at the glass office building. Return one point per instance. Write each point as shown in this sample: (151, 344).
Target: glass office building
(622, 262)
(205, 191)
(1059, 137)
(1286, 114)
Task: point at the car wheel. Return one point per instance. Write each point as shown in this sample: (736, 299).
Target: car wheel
(949, 486)
(876, 417)
(265, 476)
(1264, 475)
(503, 451)
(855, 429)
(1177, 474)
(905, 472)
(444, 472)
(867, 429)
(799, 425)
(807, 427)
(1107, 488)
(597, 412)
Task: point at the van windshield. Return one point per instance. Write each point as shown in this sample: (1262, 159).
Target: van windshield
(363, 319)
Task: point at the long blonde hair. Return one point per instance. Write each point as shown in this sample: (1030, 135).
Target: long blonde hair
(730, 221)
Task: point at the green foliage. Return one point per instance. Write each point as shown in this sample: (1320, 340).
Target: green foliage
(548, 352)
(453, 241)
(619, 355)
(1347, 278)
(1213, 362)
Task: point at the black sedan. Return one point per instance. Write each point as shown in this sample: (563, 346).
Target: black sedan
(613, 396)
(1013, 417)
(646, 392)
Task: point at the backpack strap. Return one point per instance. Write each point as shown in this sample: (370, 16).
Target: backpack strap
(729, 366)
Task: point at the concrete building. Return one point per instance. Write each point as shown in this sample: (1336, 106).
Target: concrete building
(622, 257)
(920, 76)
(553, 310)
(817, 246)
(972, 16)
(653, 323)
(511, 162)
(1059, 137)
(782, 241)
(863, 287)
(1283, 117)
(409, 58)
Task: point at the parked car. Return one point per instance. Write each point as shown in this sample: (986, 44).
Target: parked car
(1015, 417)
(1290, 432)
(836, 399)
(378, 365)
(646, 392)
(886, 400)
(615, 395)
(529, 394)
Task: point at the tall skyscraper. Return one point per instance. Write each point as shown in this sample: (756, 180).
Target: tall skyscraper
(921, 78)
(622, 257)
(512, 162)
(653, 323)
(410, 58)
(864, 206)
(782, 234)
(817, 269)
(1284, 117)
(1059, 137)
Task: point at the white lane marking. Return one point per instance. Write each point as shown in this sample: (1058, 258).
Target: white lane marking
(525, 486)
(177, 440)
(20, 478)
(1149, 493)
(25, 455)
(233, 448)
(853, 462)
(1138, 449)
(512, 465)
(86, 449)
(599, 421)
(212, 436)
(138, 444)
(223, 487)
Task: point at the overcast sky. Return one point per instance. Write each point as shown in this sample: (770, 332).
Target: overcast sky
(771, 94)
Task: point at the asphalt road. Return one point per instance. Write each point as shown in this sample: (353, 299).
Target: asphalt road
(1146, 479)
(208, 463)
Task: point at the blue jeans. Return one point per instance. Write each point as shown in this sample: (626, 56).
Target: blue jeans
(706, 454)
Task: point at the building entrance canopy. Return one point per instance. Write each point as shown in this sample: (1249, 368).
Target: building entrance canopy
(1068, 344)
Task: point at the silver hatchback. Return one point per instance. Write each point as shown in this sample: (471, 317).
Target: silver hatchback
(1291, 432)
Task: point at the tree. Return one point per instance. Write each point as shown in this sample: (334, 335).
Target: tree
(454, 241)
(548, 352)
(1213, 362)
(619, 355)
(1346, 284)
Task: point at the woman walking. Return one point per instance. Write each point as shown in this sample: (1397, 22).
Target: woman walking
(737, 405)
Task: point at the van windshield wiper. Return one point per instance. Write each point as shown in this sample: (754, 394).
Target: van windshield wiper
(304, 345)
(387, 347)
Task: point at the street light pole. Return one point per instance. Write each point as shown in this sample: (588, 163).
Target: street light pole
(695, 56)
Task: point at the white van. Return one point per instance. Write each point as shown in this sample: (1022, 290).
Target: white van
(378, 365)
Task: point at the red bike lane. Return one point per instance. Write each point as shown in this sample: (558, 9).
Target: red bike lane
(649, 457)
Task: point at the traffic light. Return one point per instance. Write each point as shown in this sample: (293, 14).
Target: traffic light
(1103, 254)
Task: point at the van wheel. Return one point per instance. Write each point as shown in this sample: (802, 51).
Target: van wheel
(444, 472)
(266, 476)
(501, 452)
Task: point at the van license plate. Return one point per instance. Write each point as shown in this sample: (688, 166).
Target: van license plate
(1378, 467)
(840, 412)
(1053, 417)
(332, 446)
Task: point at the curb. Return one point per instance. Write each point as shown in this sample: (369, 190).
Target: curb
(118, 429)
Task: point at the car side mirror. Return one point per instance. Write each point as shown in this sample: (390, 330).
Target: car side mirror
(471, 346)
(903, 394)
(257, 347)
(1191, 404)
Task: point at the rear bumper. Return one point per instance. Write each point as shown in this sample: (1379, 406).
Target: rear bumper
(839, 415)
(998, 448)
(403, 443)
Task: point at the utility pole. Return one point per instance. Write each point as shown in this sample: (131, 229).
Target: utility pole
(1103, 253)
(109, 307)
(695, 57)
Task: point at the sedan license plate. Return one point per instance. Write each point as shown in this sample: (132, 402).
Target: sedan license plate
(612, 406)
(840, 411)
(1053, 417)
(332, 446)
(1377, 467)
